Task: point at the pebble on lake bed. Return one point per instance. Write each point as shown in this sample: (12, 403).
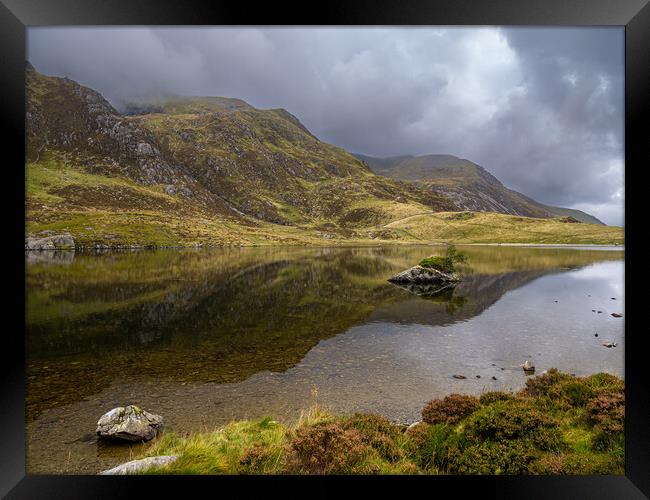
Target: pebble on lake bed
(617, 315)
(460, 376)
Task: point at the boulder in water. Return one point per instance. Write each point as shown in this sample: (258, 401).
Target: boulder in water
(129, 423)
(424, 275)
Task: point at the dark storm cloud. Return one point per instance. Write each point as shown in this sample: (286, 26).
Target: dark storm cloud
(541, 108)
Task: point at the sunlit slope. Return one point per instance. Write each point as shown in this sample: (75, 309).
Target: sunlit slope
(483, 227)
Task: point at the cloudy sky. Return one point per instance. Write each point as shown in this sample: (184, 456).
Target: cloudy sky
(540, 108)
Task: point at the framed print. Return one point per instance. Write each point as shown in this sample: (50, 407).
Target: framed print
(389, 243)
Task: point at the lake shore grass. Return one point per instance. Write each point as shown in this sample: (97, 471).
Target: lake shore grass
(557, 424)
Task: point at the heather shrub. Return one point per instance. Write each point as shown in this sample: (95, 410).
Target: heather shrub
(327, 448)
(377, 432)
(579, 464)
(487, 398)
(261, 460)
(488, 457)
(607, 411)
(546, 384)
(450, 410)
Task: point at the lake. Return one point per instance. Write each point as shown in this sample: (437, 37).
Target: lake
(205, 336)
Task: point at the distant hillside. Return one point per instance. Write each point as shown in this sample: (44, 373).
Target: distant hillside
(468, 184)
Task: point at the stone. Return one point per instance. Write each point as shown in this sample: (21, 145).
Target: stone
(460, 376)
(617, 315)
(609, 344)
(129, 423)
(421, 275)
(528, 366)
(135, 466)
(56, 242)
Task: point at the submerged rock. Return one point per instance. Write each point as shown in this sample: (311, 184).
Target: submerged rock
(56, 242)
(129, 423)
(135, 466)
(424, 275)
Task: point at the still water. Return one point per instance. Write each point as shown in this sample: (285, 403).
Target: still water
(203, 337)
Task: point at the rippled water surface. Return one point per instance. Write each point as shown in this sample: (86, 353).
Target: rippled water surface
(202, 337)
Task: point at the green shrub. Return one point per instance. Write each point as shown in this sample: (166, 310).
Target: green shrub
(504, 421)
(487, 398)
(327, 448)
(446, 263)
(577, 394)
(442, 448)
(450, 410)
(605, 382)
(494, 458)
(439, 263)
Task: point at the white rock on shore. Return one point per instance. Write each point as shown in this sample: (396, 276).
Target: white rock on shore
(56, 242)
(135, 466)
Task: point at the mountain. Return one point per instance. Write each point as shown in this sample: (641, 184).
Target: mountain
(468, 184)
(194, 171)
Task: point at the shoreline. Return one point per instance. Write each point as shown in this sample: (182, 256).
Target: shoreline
(359, 244)
(557, 424)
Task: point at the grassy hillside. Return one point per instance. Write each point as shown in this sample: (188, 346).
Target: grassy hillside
(558, 424)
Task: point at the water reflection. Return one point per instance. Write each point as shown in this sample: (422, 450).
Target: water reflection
(223, 315)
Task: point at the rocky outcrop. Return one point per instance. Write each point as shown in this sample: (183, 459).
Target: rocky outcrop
(56, 242)
(424, 275)
(135, 466)
(129, 423)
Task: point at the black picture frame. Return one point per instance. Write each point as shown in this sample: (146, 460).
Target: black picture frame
(16, 15)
